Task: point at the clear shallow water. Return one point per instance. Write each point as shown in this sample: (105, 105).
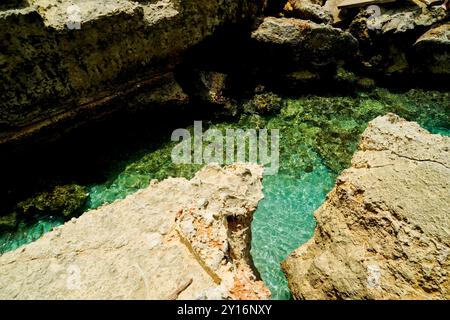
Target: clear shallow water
(319, 134)
(284, 220)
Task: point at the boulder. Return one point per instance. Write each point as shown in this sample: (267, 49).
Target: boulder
(308, 10)
(194, 244)
(302, 42)
(433, 49)
(387, 37)
(400, 20)
(384, 230)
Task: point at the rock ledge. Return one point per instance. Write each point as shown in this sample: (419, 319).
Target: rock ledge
(175, 239)
(384, 230)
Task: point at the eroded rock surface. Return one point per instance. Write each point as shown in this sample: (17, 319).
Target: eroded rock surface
(175, 239)
(384, 230)
(308, 10)
(62, 58)
(433, 47)
(387, 40)
(303, 42)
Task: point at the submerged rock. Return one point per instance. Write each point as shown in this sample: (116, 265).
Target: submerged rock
(264, 103)
(383, 231)
(8, 222)
(65, 200)
(192, 245)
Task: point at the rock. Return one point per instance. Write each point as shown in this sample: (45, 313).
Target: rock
(409, 20)
(210, 87)
(387, 39)
(149, 246)
(62, 58)
(401, 20)
(293, 42)
(383, 231)
(331, 6)
(345, 77)
(65, 200)
(366, 83)
(307, 10)
(433, 49)
(8, 222)
(214, 85)
(264, 103)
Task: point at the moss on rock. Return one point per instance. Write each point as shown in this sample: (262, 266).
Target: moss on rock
(264, 103)
(8, 222)
(65, 200)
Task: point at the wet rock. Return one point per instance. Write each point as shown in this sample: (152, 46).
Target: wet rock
(307, 10)
(8, 222)
(303, 76)
(264, 103)
(295, 42)
(383, 231)
(366, 83)
(345, 77)
(65, 200)
(149, 245)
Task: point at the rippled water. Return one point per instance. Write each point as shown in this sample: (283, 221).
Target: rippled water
(319, 134)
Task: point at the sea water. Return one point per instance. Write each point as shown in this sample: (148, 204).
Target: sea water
(319, 135)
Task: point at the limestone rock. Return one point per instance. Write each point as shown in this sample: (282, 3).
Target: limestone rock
(384, 230)
(433, 49)
(302, 41)
(401, 20)
(308, 10)
(387, 38)
(62, 57)
(175, 239)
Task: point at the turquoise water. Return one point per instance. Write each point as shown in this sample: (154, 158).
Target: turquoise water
(319, 134)
(284, 220)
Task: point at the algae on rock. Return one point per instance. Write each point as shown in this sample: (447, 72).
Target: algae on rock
(65, 200)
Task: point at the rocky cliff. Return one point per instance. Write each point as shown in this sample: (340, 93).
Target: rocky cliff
(384, 230)
(175, 239)
(67, 61)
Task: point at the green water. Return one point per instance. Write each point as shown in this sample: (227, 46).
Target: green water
(319, 134)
